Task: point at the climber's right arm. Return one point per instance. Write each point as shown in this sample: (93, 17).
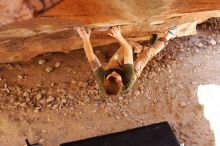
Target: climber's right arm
(92, 58)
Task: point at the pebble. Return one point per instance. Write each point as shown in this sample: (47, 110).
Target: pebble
(9, 66)
(154, 73)
(81, 103)
(38, 86)
(18, 66)
(124, 113)
(41, 140)
(87, 99)
(110, 114)
(199, 69)
(23, 104)
(19, 90)
(180, 86)
(43, 91)
(63, 101)
(183, 104)
(145, 92)
(38, 96)
(200, 45)
(109, 104)
(154, 100)
(213, 42)
(49, 69)
(126, 101)
(156, 81)
(181, 49)
(55, 106)
(120, 98)
(50, 99)
(82, 84)
(52, 84)
(57, 64)
(28, 99)
(136, 93)
(214, 35)
(17, 103)
(70, 96)
(96, 104)
(41, 61)
(26, 94)
(73, 81)
(37, 109)
(49, 105)
(20, 77)
(50, 92)
(42, 101)
(150, 76)
(149, 98)
(169, 70)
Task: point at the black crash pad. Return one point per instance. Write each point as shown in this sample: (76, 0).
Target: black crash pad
(159, 134)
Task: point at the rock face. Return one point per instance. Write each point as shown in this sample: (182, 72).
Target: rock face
(54, 31)
(17, 10)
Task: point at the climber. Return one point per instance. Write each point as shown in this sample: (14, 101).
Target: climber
(121, 72)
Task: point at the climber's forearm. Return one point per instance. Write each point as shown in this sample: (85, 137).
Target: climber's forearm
(128, 54)
(92, 58)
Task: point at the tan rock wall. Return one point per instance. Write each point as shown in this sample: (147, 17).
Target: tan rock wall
(54, 30)
(18, 10)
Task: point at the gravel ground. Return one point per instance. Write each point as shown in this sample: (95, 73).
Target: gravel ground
(54, 97)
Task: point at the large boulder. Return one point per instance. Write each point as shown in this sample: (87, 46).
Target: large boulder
(54, 30)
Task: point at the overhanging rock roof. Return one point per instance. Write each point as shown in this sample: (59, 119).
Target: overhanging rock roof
(53, 31)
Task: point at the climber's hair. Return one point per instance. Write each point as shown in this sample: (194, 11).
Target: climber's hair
(112, 86)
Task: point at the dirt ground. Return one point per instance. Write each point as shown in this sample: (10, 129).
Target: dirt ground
(54, 98)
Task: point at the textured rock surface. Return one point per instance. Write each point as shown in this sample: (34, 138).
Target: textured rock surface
(17, 10)
(54, 30)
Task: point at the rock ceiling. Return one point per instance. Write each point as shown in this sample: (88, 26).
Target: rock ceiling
(52, 30)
